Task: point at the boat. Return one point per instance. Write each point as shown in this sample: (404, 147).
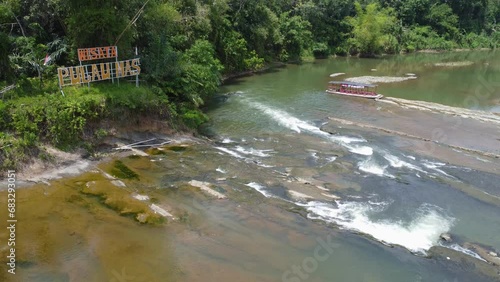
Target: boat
(353, 89)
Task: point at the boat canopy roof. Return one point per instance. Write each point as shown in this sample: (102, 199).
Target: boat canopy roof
(353, 83)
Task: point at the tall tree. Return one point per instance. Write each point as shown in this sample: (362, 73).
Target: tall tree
(100, 23)
(471, 14)
(442, 19)
(258, 24)
(297, 36)
(327, 19)
(371, 28)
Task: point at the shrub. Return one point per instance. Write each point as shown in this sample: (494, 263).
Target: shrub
(320, 50)
(55, 118)
(3, 115)
(474, 41)
(254, 62)
(193, 118)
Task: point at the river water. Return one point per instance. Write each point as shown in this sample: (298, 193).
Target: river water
(319, 187)
(387, 191)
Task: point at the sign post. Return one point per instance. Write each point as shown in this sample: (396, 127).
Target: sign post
(77, 75)
(137, 75)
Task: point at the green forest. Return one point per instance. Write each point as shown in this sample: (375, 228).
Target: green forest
(187, 47)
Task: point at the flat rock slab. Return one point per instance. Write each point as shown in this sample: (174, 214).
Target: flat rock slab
(379, 79)
(205, 187)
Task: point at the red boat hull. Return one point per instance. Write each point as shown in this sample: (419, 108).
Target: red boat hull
(369, 96)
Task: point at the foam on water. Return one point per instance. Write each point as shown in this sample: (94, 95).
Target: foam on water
(331, 159)
(347, 139)
(372, 167)
(260, 189)
(395, 161)
(227, 141)
(253, 152)
(398, 163)
(463, 250)
(418, 235)
(436, 167)
(314, 155)
(230, 152)
(298, 125)
(284, 119)
(360, 150)
(221, 170)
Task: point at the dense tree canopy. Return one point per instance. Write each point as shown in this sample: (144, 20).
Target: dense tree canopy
(187, 45)
(371, 29)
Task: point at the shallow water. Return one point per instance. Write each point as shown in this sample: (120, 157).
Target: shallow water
(393, 193)
(302, 204)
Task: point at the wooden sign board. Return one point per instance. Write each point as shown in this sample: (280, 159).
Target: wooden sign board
(97, 72)
(97, 53)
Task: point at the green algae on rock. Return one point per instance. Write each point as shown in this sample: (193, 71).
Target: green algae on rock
(122, 171)
(121, 201)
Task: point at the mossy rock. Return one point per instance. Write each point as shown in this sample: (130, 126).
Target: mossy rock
(177, 148)
(134, 157)
(122, 171)
(150, 218)
(77, 199)
(96, 188)
(121, 201)
(156, 152)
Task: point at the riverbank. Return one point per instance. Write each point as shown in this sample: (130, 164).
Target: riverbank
(124, 142)
(48, 130)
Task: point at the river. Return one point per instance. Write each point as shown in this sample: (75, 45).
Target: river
(319, 187)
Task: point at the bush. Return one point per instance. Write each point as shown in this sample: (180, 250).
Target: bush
(423, 37)
(254, 62)
(13, 151)
(57, 119)
(61, 120)
(194, 118)
(342, 51)
(3, 115)
(320, 50)
(475, 41)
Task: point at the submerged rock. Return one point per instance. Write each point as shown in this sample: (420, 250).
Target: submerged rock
(331, 196)
(454, 64)
(299, 196)
(459, 261)
(379, 79)
(490, 256)
(205, 187)
(121, 201)
(142, 217)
